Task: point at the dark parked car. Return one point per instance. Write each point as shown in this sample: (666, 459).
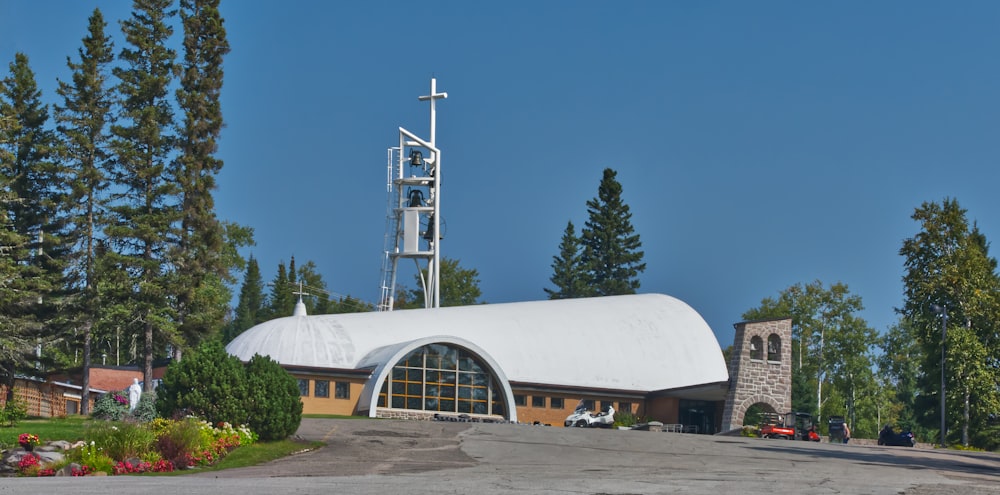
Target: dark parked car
(888, 436)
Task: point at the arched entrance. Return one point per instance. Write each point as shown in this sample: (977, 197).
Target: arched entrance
(442, 378)
(437, 375)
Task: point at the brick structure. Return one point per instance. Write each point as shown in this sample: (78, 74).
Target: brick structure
(760, 369)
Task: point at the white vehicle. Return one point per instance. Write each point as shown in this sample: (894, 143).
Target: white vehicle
(583, 418)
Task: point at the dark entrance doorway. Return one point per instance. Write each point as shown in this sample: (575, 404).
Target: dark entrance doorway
(697, 416)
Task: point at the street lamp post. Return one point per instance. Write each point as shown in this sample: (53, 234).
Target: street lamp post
(943, 309)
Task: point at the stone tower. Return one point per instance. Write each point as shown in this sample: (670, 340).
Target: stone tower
(760, 369)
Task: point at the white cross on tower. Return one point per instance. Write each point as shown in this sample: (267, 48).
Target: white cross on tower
(432, 97)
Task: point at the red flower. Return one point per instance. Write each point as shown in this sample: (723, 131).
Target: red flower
(26, 439)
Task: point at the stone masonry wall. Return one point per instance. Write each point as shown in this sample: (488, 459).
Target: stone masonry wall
(758, 381)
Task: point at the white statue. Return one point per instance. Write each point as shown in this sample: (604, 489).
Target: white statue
(134, 392)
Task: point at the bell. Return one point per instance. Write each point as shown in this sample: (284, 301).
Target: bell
(429, 235)
(416, 158)
(416, 198)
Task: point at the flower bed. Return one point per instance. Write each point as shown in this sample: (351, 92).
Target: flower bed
(118, 448)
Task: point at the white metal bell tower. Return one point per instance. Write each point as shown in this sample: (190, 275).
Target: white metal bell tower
(413, 216)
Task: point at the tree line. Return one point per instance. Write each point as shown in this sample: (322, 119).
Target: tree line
(109, 225)
(840, 365)
(110, 234)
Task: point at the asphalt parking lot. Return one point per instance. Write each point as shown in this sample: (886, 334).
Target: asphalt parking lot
(409, 457)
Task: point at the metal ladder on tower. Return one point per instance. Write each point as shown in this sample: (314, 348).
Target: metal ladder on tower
(390, 244)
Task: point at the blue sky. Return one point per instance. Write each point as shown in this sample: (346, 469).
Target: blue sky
(758, 144)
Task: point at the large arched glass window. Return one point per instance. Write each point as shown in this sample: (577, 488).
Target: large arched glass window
(756, 348)
(439, 377)
(773, 347)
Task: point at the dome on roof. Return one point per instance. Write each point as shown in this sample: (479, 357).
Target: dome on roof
(641, 342)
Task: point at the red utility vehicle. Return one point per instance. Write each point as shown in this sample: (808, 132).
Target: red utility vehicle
(790, 426)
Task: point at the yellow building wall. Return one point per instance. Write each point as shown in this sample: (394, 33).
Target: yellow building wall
(663, 409)
(331, 405)
(555, 416)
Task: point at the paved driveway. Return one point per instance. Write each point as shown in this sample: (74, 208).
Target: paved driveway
(401, 457)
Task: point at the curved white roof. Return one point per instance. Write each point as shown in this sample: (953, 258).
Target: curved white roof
(643, 342)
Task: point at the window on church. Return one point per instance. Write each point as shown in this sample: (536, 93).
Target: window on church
(556, 403)
(322, 388)
(774, 347)
(520, 400)
(439, 377)
(756, 348)
(304, 387)
(625, 407)
(537, 401)
(342, 390)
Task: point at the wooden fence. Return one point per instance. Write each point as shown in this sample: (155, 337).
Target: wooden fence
(47, 399)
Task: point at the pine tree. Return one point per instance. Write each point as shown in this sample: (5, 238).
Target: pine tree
(143, 225)
(281, 301)
(82, 123)
(34, 190)
(251, 302)
(348, 304)
(17, 325)
(200, 266)
(610, 246)
(568, 274)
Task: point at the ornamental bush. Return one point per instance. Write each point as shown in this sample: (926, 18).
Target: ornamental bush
(208, 383)
(216, 386)
(112, 406)
(274, 406)
(145, 410)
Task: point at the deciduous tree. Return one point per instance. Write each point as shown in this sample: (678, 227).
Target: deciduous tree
(459, 286)
(947, 263)
(830, 343)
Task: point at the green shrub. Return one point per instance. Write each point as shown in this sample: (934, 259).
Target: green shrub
(209, 383)
(274, 404)
(145, 411)
(13, 411)
(93, 457)
(122, 440)
(180, 439)
(216, 386)
(112, 406)
(625, 418)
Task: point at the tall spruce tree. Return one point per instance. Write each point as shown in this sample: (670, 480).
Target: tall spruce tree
(611, 252)
(35, 190)
(200, 267)
(281, 301)
(18, 326)
(568, 273)
(144, 220)
(82, 122)
(251, 303)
